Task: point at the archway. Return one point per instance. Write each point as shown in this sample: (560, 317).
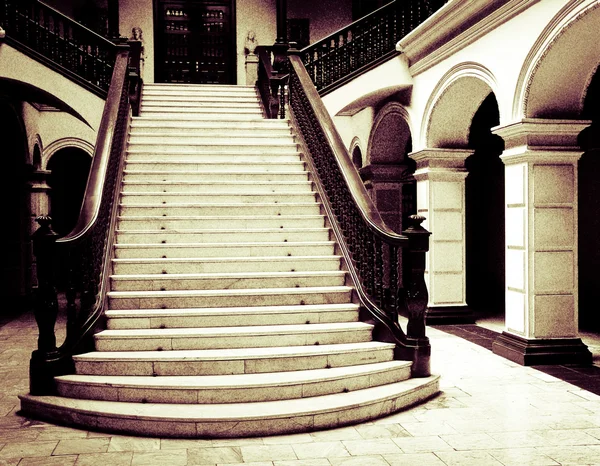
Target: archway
(69, 168)
(484, 213)
(14, 285)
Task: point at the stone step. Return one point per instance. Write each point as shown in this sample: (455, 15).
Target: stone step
(232, 223)
(201, 98)
(161, 165)
(156, 113)
(150, 108)
(145, 175)
(233, 124)
(232, 150)
(231, 316)
(233, 419)
(181, 299)
(223, 186)
(226, 265)
(208, 129)
(215, 210)
(160, 139)
(216, 198)
(231, 361)
(223, 236)
(232, 337)
(196, 250)
(208, 146)
(243, 388)
(217, 157)
(226, 281)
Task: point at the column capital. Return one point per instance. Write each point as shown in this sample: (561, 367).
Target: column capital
(440, 158)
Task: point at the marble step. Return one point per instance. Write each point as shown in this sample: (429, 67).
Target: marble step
(161, 165)
(217, 157)
(220, 222)
(216, 198)
(181, 299)
(197, 250)
(222, 111)
(160, 139)
(231, 316)
(202, 98)
(226, 281)
(222, 186)
(232, 337)
(236, 149)
(154, 176)
(243, 388)
(207, 129)
(233, 124)
(203, 103)
(231, 361)
(215, 210)
(233, 419)
(222, 236)
(208, 145)
(156, 113)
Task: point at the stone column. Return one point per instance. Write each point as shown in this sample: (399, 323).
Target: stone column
(440, 179)
(541, 243)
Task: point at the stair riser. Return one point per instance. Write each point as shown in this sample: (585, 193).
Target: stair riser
(223, 111)
(233, 147)
(159, 114)
(231, 320)
(223, 101)
(274, 392)
(207, 131)
(233, 125)
(206, 176)
(231, 223)
(144, 199)
(158, 284)
(214, 158)
(220, 367)
(223, 187)
(148, 95)
(264, 167)
(163, 237)
(156, 138)
(228, 301)
(158, 252)
(297, 265)
(176, 211)
(227, 342)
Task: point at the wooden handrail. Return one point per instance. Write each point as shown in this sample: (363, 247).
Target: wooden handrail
(271, 85)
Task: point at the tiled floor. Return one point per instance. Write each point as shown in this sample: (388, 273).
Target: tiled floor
(491, 412)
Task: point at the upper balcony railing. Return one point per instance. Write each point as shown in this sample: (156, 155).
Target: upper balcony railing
(59, 42)
(364, 44)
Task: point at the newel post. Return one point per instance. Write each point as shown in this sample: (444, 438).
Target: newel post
(44, 359)
(415, 294)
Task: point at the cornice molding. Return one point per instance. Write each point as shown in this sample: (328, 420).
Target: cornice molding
(537, 134)
(437, 38)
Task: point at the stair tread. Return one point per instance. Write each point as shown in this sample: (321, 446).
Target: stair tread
(235, 291)
(222, 245)
(234, 353)
(275, 379)
(227, 259)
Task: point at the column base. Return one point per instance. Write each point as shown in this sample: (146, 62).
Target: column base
(543, 351)
(449, 315)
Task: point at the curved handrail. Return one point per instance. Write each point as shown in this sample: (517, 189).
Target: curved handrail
(356, 186)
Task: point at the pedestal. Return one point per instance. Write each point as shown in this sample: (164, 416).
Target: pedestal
(251, 69)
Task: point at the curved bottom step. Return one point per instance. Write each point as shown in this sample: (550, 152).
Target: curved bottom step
(234, 419)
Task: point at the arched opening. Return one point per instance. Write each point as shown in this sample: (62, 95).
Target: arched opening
(589, 216)
(357, 158)
(484, 210)
(69, 168)
(15, 264)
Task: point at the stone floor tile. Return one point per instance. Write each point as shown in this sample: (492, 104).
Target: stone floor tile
(253, 463)
(304, 462)
(573, 422)
(60, 433)
(49, 461)
(18, 435)
(421, 444)
(288, 439)
(98, 434)
(471, 442)
(574, 455)
(593, 432)
(343, 433)
(268, 453)
(467, 458)
(9, 461)
(159, 458)
(213, 455)
(236, 442)
(180, 444)
(403, 416)
(125, 443)
(23, 450)
(522, 457)
(76, 446)
(518, 439)
(383, 446)
(567, 437)
(427, 428)
(381, 431)
(368, 460)
(320, 450)
(414, 459)
(105, 459)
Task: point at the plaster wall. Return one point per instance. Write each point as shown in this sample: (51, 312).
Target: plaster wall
(325, 17)
(139, 13)
(356, 126)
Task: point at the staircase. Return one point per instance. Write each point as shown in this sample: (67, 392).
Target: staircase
(230, 313)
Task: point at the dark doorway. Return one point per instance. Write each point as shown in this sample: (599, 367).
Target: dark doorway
(15, 263)
(484, 208)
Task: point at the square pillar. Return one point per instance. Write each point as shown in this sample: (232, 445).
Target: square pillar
(440, 179)
(541, 243)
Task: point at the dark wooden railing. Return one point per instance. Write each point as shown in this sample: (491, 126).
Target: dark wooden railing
(372, 251)
(87, 248)
(59, 42)
(363, 44)
(271, 84)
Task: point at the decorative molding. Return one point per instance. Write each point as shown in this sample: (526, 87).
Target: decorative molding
(562, 21)
(63, 143)
(439, 37)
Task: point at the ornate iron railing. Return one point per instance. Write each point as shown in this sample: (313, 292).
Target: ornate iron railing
(59, 42)
(365, 43)
(271, 85)
(372, 251)
(87, 248)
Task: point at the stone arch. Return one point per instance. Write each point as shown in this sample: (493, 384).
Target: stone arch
(36, 155)
(356, 153)
(453, 103)
(64, 143)
(390, 135)
(558, 70)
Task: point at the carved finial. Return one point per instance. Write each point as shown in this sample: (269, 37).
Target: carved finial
(416, 221)
(44, 221)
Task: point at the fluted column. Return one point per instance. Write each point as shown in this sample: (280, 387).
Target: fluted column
(541, 242)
